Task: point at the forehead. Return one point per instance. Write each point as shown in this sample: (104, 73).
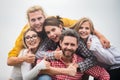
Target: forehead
(70, 39)
(30, 33)
(50, 27)
(86, 23)
(35, 13)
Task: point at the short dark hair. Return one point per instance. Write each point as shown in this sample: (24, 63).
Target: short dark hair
(69, 32)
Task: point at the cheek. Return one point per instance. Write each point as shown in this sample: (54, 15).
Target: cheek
(48, 35)
(27, 44)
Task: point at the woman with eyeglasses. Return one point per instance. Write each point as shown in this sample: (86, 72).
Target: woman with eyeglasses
(31, 41)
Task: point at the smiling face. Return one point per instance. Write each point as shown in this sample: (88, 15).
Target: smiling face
(84, 30)
(68, 46)
(36, 20)
(84, 27)
(53, 32)
(31, 39)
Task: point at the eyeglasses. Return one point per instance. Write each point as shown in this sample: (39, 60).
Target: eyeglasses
(34, 36)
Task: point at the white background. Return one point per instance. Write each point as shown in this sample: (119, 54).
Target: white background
(104, 14)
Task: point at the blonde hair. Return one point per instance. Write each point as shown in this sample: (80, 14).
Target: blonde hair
(35, 8)
(81, 21)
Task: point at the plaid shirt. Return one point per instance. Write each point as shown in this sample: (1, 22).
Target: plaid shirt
(94, 71)
(83, 51)
(60, 64)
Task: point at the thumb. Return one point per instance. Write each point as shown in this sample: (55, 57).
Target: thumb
(58, 48)
(45, 57)
(29, 50)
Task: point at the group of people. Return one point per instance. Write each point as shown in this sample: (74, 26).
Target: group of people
(47, 49)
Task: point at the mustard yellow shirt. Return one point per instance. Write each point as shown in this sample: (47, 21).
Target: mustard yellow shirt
(19, 42)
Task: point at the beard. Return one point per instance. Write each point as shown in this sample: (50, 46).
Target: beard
(68, 52)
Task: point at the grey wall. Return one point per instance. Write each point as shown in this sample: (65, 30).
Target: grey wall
(104, 13)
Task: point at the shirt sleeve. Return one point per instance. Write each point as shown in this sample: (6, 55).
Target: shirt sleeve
(44, 48)
(31, 73)
(18, 44)
(107, 56)
(68, 22)
(89, 58)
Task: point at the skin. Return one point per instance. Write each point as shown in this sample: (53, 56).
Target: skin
(32, 40)
(68, 46)
(36, 20)
(53, 32)
(84, 30)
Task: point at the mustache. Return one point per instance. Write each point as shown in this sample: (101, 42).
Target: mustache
(69, 50)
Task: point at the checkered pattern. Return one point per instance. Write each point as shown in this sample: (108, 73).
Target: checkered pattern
(96, 71)
(82, 51)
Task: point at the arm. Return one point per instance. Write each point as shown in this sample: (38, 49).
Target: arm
(103, 55)
(44, 48)
(12, 55)
(68, 22)
(89, 58)
(70, 70)
(30, 74)
(105, 43)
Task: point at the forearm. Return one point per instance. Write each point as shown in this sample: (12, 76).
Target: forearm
(15, 60)
(68, 22)
(55, 71)
(87, 63)
(89, 58)
(42, 54)
(30, 74)
(98, 34)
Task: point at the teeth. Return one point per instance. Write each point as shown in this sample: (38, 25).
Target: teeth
(32, 43)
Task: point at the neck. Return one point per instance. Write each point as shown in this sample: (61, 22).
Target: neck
(66, 60)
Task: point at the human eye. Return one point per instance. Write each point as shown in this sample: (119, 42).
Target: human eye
(32, 20)
(27, 37)
(66, 44)
(53, 29)
(72, 44)
(39, 18)
(87, 28)
(80, 27)
(34, 36)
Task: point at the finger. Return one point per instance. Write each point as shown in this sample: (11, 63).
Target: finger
(29, 50)
(45, 57)
(58, 48)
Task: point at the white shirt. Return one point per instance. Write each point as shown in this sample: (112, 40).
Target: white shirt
(110, 56)
(25, 71)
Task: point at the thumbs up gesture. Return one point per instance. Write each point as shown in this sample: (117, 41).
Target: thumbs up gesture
(29, 56)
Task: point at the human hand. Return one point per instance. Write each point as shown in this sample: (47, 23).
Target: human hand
(105, 43)
(58, 54)
(47, 64)
(29, 57)
(72, 70)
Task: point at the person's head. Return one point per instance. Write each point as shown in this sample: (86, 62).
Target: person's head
(31, 39)
(69, 40)
(84, 27)
(53, 28)
(36, 17)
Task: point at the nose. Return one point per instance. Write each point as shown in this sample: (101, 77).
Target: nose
(69, 47)
(37, 21)
(51, 34)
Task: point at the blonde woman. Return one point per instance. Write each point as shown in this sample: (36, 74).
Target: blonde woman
(109, 58)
